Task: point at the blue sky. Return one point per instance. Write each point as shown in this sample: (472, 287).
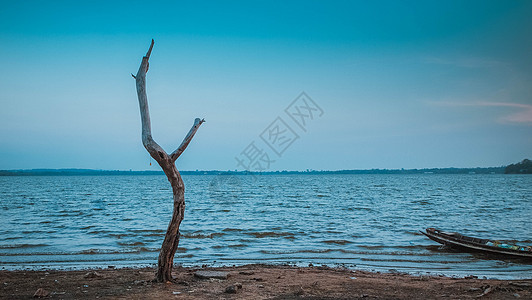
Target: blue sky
(402, 84)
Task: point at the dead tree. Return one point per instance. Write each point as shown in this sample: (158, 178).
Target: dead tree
(167, 163)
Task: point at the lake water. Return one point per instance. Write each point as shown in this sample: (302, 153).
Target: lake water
(368, 222)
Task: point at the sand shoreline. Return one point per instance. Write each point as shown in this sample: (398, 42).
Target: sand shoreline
(257, 282)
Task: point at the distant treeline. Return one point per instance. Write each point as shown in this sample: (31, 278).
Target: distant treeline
(89, 172)
(524, 167)
(73, 172)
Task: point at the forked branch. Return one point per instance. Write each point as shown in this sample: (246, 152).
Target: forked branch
(156, 151)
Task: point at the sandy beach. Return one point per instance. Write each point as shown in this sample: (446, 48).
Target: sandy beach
(254, 282)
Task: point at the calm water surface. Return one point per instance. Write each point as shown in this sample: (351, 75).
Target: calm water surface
(368, 222)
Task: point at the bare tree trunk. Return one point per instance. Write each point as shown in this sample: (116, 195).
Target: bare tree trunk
(167, 163)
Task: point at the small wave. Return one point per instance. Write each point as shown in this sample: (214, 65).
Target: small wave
(202, 236)
(412, 232)
(421, 202)
(266, 234)
(154, 234)
(22, 246)
(337, 242)
(98, 231)
(246, 241)
(146, 249)
(413, 261)
(359, 208)
(372, 247)
(12, 238)
(92, 251)
(73, 213)
(148, 230)
(413, 246)
(118, 235)
(130, 243)
(233, 230)
(88, 227)
(372, 254)
(229, 246)
(297, 251)
(106, 251)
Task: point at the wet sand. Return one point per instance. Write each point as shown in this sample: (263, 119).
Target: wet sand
(255, 282)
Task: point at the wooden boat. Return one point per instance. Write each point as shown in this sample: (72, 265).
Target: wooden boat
(456, 240)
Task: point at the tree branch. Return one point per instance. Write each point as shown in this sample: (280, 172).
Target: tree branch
(151, 146)
(187, 139)
(149, 50)
(156, 151)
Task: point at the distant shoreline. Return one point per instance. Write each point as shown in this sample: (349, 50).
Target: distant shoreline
(90, 172)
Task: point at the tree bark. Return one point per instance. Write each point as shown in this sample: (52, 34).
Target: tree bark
(167, 163)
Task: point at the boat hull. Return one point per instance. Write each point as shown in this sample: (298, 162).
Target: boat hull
(456, 240)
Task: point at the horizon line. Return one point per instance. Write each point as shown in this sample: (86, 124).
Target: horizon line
(248, 171)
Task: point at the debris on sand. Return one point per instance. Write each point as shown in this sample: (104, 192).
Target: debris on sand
(41, 293)
(93, 274)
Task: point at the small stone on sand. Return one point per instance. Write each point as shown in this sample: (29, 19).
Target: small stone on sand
(231, 289)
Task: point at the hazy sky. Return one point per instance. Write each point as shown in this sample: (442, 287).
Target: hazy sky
(395, 84)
